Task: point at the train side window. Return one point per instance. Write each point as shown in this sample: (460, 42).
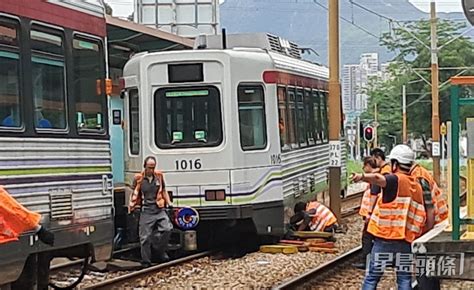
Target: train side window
(300, 118)
(253, 128)
(89, 84)
(134, 117)
(10, 113)
(317, 119)
(49, 81)
(309, 118)
(324, 115)
(282, 119)
(292, 125)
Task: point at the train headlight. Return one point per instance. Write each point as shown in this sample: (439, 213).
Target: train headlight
(220, 194)
(210, 194)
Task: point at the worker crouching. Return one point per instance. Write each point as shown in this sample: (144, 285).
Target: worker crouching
(314, 216)
(397, 219)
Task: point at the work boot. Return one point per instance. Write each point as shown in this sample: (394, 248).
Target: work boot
(145, 264)
(163, 257)
(46, 236)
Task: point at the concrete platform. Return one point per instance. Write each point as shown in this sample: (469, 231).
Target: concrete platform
(445, 258)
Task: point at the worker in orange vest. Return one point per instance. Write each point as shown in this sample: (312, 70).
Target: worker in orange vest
(367, 205)
(150, 196)
(397, 220)
(16, 219)
(313, 216)
(436, 212)
(439, 201)
(379, 156)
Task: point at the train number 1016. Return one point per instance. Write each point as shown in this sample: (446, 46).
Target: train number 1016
(188, 164)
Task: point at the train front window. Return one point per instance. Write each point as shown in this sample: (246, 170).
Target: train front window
(9, 77)
(48, 75)
(89, 84)
(188, 117)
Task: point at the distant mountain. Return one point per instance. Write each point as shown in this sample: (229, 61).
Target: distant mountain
(305, 23)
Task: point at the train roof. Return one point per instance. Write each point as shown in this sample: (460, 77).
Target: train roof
(277, 60)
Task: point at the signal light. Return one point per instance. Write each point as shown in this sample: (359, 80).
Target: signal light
(369, 134)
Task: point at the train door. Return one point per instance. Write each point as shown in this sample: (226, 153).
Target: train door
(116, 138)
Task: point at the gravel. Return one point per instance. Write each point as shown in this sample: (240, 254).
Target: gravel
(255, 270)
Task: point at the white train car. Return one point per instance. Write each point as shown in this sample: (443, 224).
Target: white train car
(241, 133)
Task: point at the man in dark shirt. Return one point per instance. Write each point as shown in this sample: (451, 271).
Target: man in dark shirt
(155, 225)
(402, 158)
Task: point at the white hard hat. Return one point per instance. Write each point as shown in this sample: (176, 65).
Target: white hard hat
(403, 154)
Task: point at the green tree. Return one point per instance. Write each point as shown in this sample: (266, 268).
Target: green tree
(387, 96)
(412, 55)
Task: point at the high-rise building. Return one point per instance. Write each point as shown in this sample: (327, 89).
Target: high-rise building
(355, 79)
(349, 86)
(370, 63)
(182, 17)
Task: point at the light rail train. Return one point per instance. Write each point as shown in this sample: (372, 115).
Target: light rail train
(55, 155)
(241, 133)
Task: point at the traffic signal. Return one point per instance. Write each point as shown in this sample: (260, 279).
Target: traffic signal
(468, 6)
(369, 134)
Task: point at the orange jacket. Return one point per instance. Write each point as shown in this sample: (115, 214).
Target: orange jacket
(368, 203)
(385, 169)
(321, 218)
(404, 217)
(136, 198)
(14, 218)
(439, 201)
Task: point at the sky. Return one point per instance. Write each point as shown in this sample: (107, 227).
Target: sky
(123, 8)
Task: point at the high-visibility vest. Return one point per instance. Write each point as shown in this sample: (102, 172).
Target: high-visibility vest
(136, 199)
(404, 217)
(439, 200)
(368, 202)
(386, 169)
(321, 218)
(14, 218)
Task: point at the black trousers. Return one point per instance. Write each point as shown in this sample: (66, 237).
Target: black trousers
(427, 283)
(367, 242)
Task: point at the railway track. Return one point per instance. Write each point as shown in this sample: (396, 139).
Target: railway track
(309, 277)
(114, 282)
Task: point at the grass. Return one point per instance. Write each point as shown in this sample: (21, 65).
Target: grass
(353, 166)
(427, 164)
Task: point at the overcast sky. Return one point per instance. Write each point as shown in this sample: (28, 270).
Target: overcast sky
(123, 8)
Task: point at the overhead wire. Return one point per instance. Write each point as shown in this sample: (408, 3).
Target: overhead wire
(348, 21)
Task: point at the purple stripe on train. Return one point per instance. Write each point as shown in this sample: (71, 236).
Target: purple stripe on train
(25, 180)
(34, 162)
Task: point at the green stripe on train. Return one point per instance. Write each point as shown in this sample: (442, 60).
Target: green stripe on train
(34, 171)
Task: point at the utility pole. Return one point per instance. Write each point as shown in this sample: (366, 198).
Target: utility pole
(434, 94)
(358, 138)
(375, 126)
(334, 111)
(404, 114)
